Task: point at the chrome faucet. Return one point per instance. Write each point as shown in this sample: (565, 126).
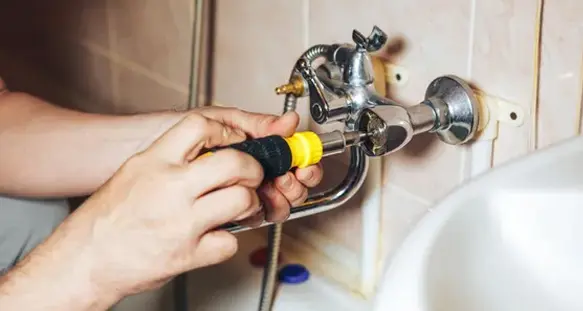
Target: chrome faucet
(341, 89)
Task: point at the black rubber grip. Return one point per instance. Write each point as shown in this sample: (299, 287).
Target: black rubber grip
(272, 152)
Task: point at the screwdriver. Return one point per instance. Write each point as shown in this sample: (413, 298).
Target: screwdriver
(277, 155)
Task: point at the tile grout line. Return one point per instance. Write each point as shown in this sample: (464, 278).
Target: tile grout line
(536, 75)
(306, 35)
(579, 112)
(306, 23)
(411, 195)
(468, 152)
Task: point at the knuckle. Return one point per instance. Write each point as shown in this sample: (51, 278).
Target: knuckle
(136, 162)
(294, 192)
(238, 166)
(235, 159)
(266, 120)
(285, 213)
(300, 197)
(243, 195)
(229, 110)
(197, 123)
(194, 118)
(241, 160)
(230, 249)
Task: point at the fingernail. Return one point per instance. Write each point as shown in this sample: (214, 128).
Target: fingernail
(284, 181)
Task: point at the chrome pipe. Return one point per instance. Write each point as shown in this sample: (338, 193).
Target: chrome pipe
(422, 118)
(329, 199)
(332, 198)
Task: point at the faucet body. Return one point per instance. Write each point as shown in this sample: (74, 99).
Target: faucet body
(341, 89)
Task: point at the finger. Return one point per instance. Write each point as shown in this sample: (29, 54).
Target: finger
(214, 247)
(252, 212)
(225, 205)
(276, 205)
(191, 134)
(254, 124)
(253, 221)
(222, 169)
(291, 188)
(310, 176)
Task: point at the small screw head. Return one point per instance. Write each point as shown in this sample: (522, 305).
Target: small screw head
(317, 113)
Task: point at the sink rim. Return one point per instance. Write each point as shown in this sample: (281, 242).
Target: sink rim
(401, 283)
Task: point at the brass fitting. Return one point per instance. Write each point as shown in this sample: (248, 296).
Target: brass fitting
(294, 87)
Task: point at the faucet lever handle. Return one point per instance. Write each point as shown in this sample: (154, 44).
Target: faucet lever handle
(359, 39)
(374, 42)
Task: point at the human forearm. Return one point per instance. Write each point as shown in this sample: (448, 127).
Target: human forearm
(60, 274)
(48, 151)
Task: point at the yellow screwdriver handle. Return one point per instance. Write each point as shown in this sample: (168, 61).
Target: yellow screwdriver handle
(277, 155)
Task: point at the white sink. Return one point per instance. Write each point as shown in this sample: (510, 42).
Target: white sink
(511, 240)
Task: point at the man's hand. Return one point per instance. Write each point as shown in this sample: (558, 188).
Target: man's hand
(155, 217)
(287, 191)
(152, 220)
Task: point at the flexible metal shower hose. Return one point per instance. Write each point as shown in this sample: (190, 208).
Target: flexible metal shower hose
(274, 231)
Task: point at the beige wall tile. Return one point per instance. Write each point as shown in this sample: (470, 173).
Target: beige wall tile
(154, 34)
(140, 93)
(19, 74)
(81, 70)
(401, 211)
(341, 225)
(561, 72)
(73, 19)
(92, 78)
(15, 26)
(426, 167)
(428, 40)
(93, 23)
(257, 44)
(503, 65)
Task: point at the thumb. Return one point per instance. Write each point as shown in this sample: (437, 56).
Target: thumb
(285, 125)
(255, 124)
(189, 136)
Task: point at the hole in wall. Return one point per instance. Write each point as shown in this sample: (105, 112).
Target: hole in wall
(398, 77)
(513, 116)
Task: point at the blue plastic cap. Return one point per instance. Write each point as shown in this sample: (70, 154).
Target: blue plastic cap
(294, 274)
